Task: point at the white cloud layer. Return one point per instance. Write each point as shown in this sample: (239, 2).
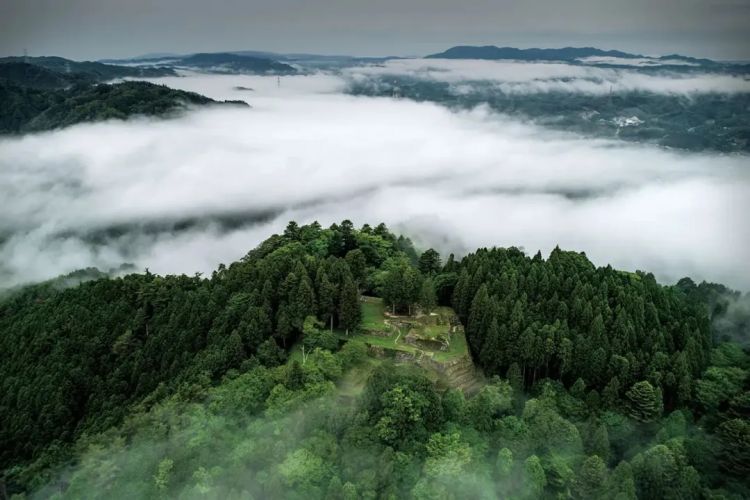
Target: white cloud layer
(635, 61)
(524, 77)
(305, 151)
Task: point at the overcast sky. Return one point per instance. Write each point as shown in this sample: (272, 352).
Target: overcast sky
(91, 29)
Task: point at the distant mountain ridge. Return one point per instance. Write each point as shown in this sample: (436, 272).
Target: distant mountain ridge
(38, 77)
(220, 62)
(568, 54)
(262, 54)
(46, 93)
(27, 109)
(235, 62)
(66, 71)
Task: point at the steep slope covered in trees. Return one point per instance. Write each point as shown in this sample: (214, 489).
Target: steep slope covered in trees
(565, 319)
(601, 383)
(75, 359)
(30, 110)
(69, 71)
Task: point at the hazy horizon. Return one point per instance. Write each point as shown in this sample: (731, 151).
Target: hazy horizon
(84, 29)
(455, 180)
(379, 275)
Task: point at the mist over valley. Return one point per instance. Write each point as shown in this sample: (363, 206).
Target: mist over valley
(381, 267)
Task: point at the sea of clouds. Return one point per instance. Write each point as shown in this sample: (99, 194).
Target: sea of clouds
(183, 195)
(530, 77)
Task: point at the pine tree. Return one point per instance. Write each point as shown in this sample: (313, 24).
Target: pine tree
(304, 302)
(429, 262)
(514, 377)
(645, 403)
(327, 300)
(735, 455)
(292, 231)
(477, 318)
(491, 349)
(427, 298)
(234, 351)
(284, 325)
(591, 478)
(411, 284)
(357, 264)
(348, 238)
(350, 313)
(599, 444)
(611, 393)
(393, 288)
(460, 292)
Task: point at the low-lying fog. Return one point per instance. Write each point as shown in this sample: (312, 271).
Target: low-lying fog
(183, 195)
(529, 77)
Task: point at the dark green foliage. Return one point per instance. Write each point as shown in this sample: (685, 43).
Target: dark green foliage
(76, 358)
(645, 402)
(350, 312)
(26, 110)
(565, 319)
(427, 296)
(402, 405)
(315, 335)
(592, 478)
(357, 263)
(728, 309)
(699, 122)
(177, 387)
(235, 63)
(38, 77)
(70, 72)
(735, 440)
(494, 53)
(429, 262)
(401, 286)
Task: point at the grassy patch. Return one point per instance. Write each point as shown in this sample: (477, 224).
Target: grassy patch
(374, 320)
(456, 349)
(372, 314)
(433, 331)
(376, 340)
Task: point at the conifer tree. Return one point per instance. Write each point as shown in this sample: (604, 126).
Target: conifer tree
(645, 402)
(591, 478)
(429, 262)
(357, 265)
(327, 300)
(350, 313)
(491, 348)
(427, 298)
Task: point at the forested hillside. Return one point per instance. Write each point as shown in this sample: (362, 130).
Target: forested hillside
(93, 349)
(562, 318)
(38, 77)
(24, 71)
(246, 384)
(26, 109)
(229, 62)
(700, 122)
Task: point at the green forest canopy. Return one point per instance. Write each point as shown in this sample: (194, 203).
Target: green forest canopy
(601, 383)
(30, 110)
